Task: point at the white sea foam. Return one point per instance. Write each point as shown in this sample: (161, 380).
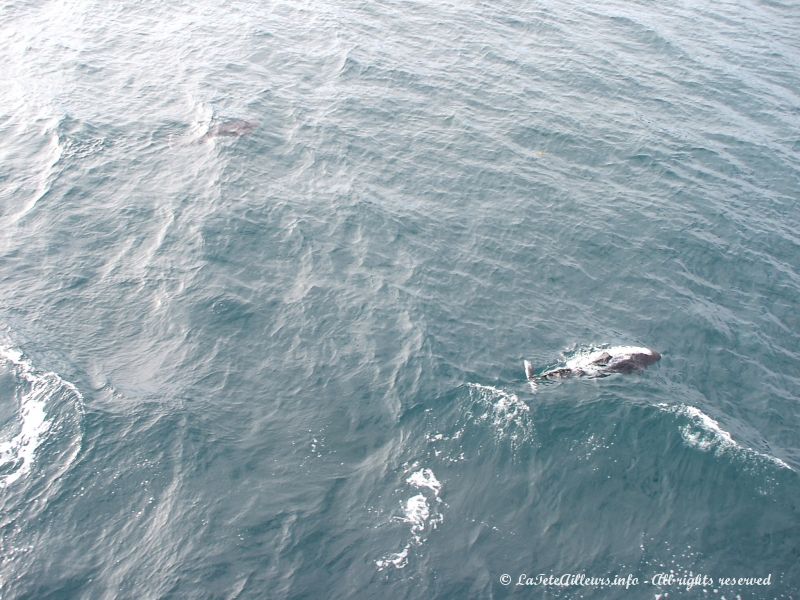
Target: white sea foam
(509, 416)
(424, 478)
(37, 394)
(398, 560)
(706, 434)
(421, 512)
(417, 512)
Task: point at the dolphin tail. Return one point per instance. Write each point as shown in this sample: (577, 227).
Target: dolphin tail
(530, 375)
(529, 370)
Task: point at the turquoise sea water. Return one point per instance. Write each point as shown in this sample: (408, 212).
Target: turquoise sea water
(268, 272)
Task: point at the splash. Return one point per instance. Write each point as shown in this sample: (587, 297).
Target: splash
(486, 408)
(424, 478)
(421, 512)
(48, 406)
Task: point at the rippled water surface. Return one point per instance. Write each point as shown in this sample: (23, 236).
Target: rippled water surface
(268, 272)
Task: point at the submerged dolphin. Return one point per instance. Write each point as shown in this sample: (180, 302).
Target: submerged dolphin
(229, 128)
(598, 363)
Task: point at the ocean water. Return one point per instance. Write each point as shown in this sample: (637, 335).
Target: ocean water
(269, 270)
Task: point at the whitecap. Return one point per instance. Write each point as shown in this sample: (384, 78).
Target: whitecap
(706, 434)
(424, 478)
(47, 404)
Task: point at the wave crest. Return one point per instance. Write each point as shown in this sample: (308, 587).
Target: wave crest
(50, 412)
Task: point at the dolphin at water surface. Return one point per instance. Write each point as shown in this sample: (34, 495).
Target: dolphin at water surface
(598, 363)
